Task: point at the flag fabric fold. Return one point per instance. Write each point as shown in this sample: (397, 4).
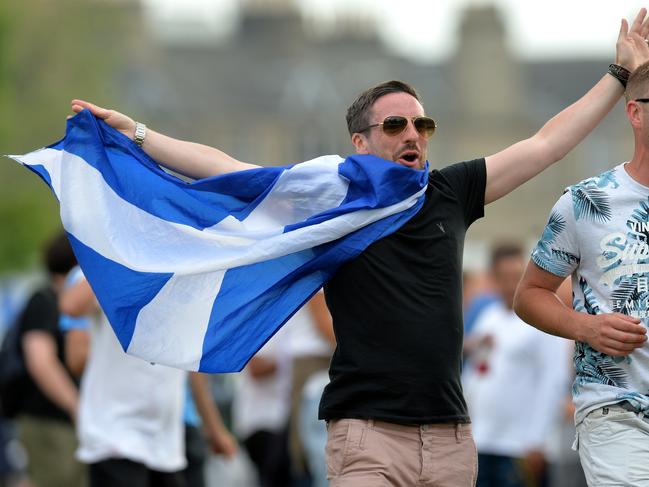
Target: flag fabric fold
(200, 275)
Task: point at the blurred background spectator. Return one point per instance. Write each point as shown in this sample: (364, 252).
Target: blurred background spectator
(515, 384)
(42, 395)
(478, 293)
(312, 343)
(261, 409)
(205, 431)
(130, 425)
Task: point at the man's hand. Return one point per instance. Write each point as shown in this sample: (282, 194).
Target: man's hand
(536, 303)
(221, 442)
(631, 47)
(117, 120)
(196, 161)
(612, 333)
(511, 167)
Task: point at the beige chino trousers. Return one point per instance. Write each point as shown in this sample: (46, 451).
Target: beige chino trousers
(368, 453)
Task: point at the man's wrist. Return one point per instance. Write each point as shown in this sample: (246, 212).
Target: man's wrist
(620, 73)
(139, 134)
(72, 407)
(582, 328)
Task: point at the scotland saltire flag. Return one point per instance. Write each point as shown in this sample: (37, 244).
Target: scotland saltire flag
(200, 275)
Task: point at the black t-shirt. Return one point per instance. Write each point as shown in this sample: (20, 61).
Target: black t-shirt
(397, 312)
(41, 314)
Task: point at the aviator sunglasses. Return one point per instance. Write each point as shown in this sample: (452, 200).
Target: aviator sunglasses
(395, 124)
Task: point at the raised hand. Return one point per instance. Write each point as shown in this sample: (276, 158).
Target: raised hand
(117, 120)
(613, 333)
(193, 160)
(631, 47)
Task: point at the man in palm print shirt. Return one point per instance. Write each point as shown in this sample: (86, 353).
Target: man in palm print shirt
(598, 232)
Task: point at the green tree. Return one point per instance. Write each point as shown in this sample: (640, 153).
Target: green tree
(50, 52)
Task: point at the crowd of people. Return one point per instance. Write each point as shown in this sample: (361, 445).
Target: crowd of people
(393, 336)
(89, 414)
(130, 415)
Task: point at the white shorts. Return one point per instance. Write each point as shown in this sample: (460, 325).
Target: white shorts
(613, 446)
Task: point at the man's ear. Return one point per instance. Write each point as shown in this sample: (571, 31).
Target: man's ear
(634, 114)
(360, 143)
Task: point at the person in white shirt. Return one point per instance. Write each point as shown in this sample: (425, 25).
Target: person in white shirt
(515, 384)
(130, 423)
(598, 233)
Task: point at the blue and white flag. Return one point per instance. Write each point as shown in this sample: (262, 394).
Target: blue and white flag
(200, 275)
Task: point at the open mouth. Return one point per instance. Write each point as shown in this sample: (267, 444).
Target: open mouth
(409, 158)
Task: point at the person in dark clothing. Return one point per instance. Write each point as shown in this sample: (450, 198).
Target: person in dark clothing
(48, 404)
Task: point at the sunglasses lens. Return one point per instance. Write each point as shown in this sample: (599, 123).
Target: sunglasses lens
(394, 125)
(425, 126)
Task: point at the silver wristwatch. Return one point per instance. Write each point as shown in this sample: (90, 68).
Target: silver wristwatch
(140, 133)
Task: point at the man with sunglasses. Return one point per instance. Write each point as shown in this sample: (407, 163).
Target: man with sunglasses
(598, 232)
(394, 406)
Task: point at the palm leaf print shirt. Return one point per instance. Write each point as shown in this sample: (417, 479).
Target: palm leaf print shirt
(598, 232)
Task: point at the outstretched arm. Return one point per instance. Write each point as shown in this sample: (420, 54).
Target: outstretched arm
(187, 158)
(511, 167)
(538, 304)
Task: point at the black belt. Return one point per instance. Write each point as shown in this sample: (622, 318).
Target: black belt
(627, 406)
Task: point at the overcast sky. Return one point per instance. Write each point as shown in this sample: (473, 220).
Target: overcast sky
(548, 28)
(424, 29)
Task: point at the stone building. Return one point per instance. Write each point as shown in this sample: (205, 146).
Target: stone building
(274, 90)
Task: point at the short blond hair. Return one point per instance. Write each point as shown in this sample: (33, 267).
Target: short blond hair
(636, 87)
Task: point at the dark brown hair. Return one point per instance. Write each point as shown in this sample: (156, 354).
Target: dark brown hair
(358, 113)
(58, 256)
(505, 251)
